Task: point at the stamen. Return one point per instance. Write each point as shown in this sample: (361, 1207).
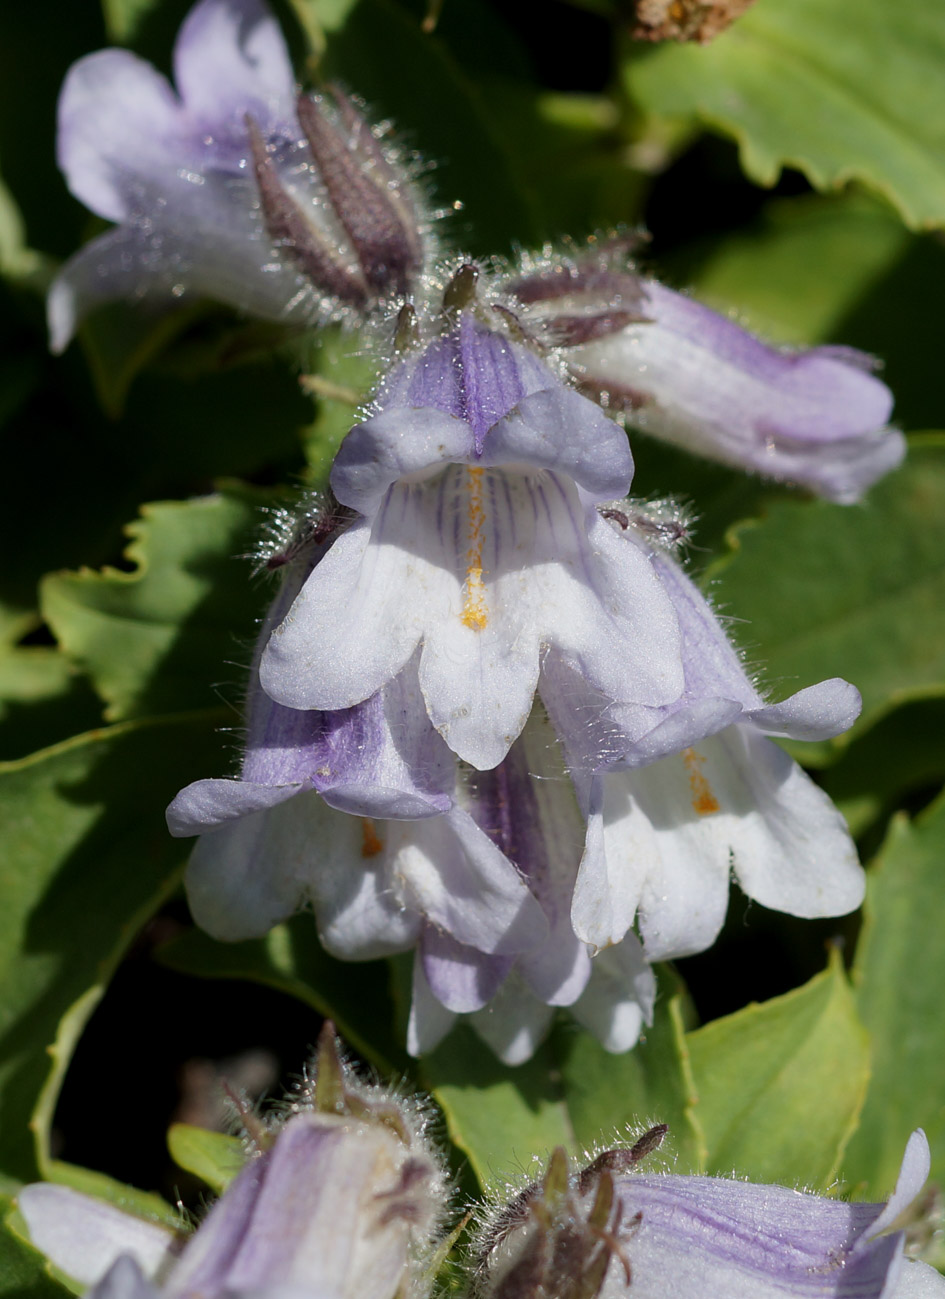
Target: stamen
(704, 802)
(371, 843)
(474, 614)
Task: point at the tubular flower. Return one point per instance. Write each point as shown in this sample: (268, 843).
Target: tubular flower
(682, 372)
(232, 188)
(476, 545)
(611, 1230)
(354, 813)
(678, 797)
(528, 808)
(341, 1199)
(366, 815)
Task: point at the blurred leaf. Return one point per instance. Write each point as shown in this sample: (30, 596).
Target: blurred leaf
(571, 1093)
(899, 962)
(88, 860)
(159, 638)
(214, 1157)
(840, 270)
(901, 754)
(123, 16)
(17, 259)
(611, 1095)
(42, 700)
(781, 1084)
(501, 1118)
(799, 271)
(120, 338)
(344, 372)
(291, 960)
(855, 591)
(23, 1272)
(807, 84)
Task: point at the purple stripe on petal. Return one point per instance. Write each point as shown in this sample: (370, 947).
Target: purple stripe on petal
(763, 1241)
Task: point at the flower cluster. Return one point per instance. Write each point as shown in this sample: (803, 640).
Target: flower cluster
(490, 718)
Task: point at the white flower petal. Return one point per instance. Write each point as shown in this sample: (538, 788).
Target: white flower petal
(620, 996)
(514, 1023)
(791, 849)
(83, 1236)
(117, 118)
(453, 874)
(429, 1021)
(356, 622)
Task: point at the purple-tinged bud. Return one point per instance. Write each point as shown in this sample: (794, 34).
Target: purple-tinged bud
(684, 373)
(342, 1199)
(562, 1237)
(233, 188)
(613, 1231)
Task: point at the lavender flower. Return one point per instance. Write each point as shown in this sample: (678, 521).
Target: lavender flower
(682, 372)
(611, 1230)
(353, 812)
(341, 1199)
(678, 797)
(366, 816)
(477, 540)
(233, 188)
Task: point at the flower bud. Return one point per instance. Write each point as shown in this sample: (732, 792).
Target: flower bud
(686, 374)
(610, 1230)
(341, 1199)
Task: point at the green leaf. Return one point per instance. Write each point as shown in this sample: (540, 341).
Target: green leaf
(499, 1117)
(291, 959)
(900, 755)
(23, 1272)
(609, 1095)
(42, 699)
(808, 84)
(800, 270)
(900, 960)
(87, 861)
(343, 377)
(159, 639)
(829, 590)
(214, 1157)
(123, 16)
(571, 1093)
(781, 1083)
